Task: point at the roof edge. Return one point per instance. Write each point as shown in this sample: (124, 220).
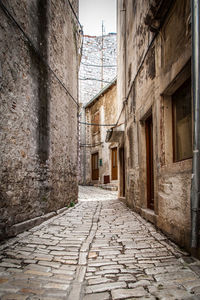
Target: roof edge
(102, 92)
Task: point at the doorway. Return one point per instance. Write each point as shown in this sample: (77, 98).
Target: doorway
(149, 162)
(95, 166)
(114, 164)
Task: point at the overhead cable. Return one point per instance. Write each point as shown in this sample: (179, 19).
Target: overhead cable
(120, 114)
(75, 14)
(90, 145)
(96, 124)
(132, 83)
(9, 15)
(95, 79)
(99, 66)
(147, 51)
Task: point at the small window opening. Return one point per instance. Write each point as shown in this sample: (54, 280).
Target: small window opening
(182, 122)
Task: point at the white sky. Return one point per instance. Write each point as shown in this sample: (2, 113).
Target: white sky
(93, 12)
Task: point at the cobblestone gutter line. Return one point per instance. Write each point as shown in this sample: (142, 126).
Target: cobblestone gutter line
(77, 290)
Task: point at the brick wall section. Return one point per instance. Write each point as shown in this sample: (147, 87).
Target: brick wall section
(38, 120)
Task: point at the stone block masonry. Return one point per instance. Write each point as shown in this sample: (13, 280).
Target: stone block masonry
(38, 119)
(90, 73)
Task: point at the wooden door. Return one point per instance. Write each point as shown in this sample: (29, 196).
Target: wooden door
(149, 162)
(95, 166)
(114, 164)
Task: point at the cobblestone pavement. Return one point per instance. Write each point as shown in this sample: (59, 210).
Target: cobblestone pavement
(90, 193)
(97, 250)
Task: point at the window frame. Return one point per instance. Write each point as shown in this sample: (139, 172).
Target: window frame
(96, 120)
(167, 142)
(174, 133)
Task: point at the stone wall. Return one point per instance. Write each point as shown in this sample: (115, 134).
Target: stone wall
(38, 160)
(90, 73)
(153, 64)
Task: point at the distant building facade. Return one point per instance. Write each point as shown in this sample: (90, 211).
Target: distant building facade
(155, 104)
(97, 69)
(39, 78)
(100, 158)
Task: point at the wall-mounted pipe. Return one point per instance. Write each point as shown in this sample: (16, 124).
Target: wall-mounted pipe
(195, 187)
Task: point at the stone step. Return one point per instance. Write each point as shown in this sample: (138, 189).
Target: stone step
(108, 187)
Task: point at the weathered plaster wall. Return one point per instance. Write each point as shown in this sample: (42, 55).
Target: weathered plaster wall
(151, 68)
(106, 105)
(38, 160)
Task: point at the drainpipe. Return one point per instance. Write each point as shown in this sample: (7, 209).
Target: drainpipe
(123, 10)
(195, 187)
(124, 46)
(84, 149)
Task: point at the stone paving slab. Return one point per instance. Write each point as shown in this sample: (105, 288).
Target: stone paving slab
(97, 250)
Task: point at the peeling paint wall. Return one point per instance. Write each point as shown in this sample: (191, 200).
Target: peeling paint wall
(151, 67)
(38, 160)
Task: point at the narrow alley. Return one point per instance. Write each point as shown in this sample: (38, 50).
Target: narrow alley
(99, 149)
(97, 250)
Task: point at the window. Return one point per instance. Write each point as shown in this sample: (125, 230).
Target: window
(182, 122)
(95, 120)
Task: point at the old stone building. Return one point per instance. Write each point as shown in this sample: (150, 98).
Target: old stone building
(155, 108)
(97, 69)
(39, 62)
(100, 158)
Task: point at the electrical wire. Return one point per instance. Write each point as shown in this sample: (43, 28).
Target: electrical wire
(120, 114)
(142, 62)
(90, 145)
(81, 50)
(95, 79)
(96, 124)
(98, 66)
(132, 83)
(150, 45)
(75, 14)
(9, 15)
